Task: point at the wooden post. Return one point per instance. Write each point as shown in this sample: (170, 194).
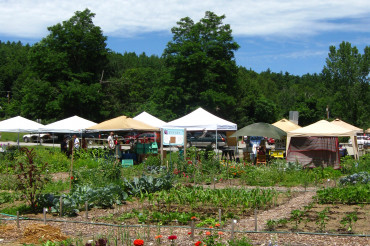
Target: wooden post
(44, 211)
(232, 229)
(255, 220)
(60, 207)
(87, 209)
(71, 168)
(18, 219)
(219, 215)
(192, 229)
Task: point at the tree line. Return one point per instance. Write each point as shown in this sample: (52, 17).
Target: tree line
(72, 72)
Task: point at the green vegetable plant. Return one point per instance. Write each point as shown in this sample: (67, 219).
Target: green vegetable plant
(322, 218)
(296, 216)
(349, 220)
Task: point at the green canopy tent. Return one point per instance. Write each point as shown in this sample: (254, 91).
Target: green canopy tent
(260, 129)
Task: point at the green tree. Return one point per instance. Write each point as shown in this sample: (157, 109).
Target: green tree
(70, 61)
(202, 66)
(347, 78)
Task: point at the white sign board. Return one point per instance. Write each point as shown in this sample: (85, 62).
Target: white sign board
(173, 136)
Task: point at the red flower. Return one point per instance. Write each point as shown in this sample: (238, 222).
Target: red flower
(138, 242)
(172, 237)
(189, 233)
(198, 243)
(72, 178)
(217, 225)
(190, 162)
(208, 233)
(193, 218)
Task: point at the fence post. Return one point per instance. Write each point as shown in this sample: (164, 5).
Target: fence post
(232, 229)
(255, 220)
(192, 229)
(87, 209)
(18, 219)
(219, 216)
(44, 211)
(60, 207)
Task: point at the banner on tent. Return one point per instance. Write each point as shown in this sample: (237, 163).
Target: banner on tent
(171, 136)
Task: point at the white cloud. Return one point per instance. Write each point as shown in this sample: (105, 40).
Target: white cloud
(30, 18)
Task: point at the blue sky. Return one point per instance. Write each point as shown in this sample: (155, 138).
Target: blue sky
(285, 35)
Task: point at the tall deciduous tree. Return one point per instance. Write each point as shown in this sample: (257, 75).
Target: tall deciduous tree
(347, 78)
(203, 69)
(71, 60)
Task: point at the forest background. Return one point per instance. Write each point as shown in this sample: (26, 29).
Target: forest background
(72, 72)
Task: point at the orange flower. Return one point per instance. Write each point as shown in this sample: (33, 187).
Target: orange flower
(208, 233)
(217, 225)
(193, 218)
(220, 233)
(211, 227)
(158, 237)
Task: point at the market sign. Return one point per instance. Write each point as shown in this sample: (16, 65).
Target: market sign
(173, 136)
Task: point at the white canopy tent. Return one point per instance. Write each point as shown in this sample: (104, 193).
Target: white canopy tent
(150, 119)
(74, 124)
(201, 119)
(19, 124)
(321, 128)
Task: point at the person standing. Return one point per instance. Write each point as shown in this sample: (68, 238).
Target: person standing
(111, 144)
(76, 142)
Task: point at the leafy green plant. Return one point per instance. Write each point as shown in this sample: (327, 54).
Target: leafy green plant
(240, 242)
(349, 220)
(353, 194)
(296, 216)
(322, 218)
(271, 225)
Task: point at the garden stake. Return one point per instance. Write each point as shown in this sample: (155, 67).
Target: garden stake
(255, 219)
(86, 209)
(44, 211)
(18, 219)
(60, 207)
(192, 229)
(232, 229)
(219, 215)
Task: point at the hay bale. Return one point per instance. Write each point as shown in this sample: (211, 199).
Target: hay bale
(39, 233)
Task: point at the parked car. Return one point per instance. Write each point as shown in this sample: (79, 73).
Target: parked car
(362, 140)
(204, 139)
(36, 137)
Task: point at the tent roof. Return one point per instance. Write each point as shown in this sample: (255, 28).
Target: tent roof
(286, 125)
(72, 124)
(201, 119)
(321, 128)
(19, 124)
(346, 125)
(148, 118)
(123, 123)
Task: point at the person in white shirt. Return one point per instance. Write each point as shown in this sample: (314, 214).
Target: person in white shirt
(76, 143)
(111, 144)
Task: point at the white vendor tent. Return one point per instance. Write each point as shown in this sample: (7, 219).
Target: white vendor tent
(19, 124)
(200, 119)
(149, 119)
(74, 124)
